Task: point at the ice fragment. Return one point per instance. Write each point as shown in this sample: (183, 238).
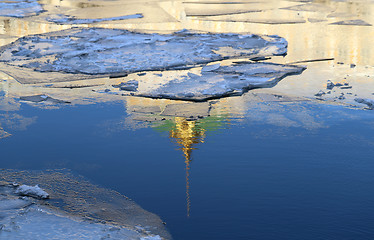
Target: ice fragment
(30, 191)
(224, 81)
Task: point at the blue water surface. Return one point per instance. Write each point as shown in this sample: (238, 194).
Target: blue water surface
(247, 179)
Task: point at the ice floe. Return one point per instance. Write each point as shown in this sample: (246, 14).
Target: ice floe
(20, 8)
(128, 86)
(98, 51)
(215, 81)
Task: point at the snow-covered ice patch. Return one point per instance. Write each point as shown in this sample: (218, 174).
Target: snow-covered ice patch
(98, 51)
(215, 81)
(20, 8)
(31, 191)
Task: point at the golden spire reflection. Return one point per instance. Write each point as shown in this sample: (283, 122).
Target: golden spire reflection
(187, 134)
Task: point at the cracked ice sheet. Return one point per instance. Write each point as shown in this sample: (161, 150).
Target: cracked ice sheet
(20, 8)
(36, 222)
(100, 51)
(216, 81)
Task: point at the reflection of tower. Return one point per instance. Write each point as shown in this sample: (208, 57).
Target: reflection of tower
(187, 133)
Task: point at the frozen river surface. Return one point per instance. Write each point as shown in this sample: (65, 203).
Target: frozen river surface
(222, 120)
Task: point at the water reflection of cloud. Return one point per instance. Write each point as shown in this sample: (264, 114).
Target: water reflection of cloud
(15, 121)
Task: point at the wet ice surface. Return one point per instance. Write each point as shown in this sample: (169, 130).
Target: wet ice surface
(29, 217)
(105, 51)
(65, 19)
(20, 8)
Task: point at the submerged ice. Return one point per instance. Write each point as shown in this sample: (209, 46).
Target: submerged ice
(76, 210)
(36, 222)
(20, 8)
(98, 51)
(27, 220)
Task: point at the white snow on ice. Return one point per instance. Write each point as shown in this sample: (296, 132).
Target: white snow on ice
(35, 191)
(105, 51)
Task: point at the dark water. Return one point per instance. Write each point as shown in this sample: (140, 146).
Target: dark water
(248, 177)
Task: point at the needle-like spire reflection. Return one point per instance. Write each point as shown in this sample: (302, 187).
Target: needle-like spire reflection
(187, 134)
